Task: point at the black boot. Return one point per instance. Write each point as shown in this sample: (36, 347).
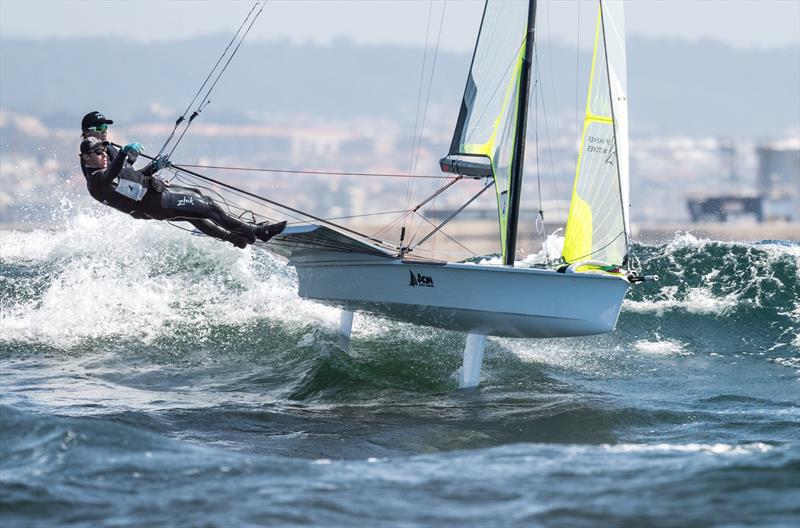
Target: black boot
(237, 240)
(264, 231)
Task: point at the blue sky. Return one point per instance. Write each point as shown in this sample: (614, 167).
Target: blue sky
(740, 23)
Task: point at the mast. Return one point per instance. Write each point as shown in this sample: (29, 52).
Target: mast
(519, 145)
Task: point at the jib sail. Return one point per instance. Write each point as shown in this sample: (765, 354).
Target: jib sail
(598, 224)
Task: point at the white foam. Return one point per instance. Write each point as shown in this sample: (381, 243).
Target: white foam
(773, 250)
(551, 249)
(789, 362)
(664, 347)
(699, 300)
(116, 276)
(711, 449)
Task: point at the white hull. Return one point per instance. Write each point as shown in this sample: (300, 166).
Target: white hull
(335, 268)
(476, 299)
(490, 300)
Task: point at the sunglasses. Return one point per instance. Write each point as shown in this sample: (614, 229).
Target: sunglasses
(99, 152)
(100, 128)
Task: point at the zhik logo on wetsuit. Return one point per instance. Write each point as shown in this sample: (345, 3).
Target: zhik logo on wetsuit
(186, 200)
(420, 280)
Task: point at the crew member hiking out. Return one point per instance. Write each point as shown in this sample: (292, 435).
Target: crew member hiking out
(143, 195)
(94, 124)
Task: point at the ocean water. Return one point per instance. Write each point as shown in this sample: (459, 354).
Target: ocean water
(154, 378)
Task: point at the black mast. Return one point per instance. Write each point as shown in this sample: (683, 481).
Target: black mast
(519, 146)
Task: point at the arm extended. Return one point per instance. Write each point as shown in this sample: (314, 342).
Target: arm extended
(105, 177)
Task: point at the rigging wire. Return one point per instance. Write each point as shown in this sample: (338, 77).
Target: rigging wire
(587, 255)
(364, 215)
(319, 173)
(417, 144)
(232, 208)
(408, 212)
(242, 195)
(430, 85)
(191, 176)
(557, 183)
(540, 225)
(391, 224)
(432, 198)
(182, 117)
(419, 90)
(206, 101)
(283, 207)
(490, 183)
(189, 180)
(188, 175)
(441, 230)
(411, 153)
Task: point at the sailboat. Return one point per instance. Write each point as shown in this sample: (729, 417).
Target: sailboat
(583, 295)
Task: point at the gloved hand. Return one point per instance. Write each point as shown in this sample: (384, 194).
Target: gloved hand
(158, 184)
(133, 147)
(161, 162)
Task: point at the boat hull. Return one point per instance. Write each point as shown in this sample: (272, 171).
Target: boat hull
(482, 299)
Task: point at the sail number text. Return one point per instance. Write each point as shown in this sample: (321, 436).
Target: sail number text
(598, 144)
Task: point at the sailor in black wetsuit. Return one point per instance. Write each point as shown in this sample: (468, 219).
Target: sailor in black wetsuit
(142, 195)
(94, 124)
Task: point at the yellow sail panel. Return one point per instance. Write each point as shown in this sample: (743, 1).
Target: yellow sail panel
(595, 224)
(578, 241)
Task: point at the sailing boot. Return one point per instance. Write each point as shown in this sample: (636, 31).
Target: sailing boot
(264, 231)
(238, 241)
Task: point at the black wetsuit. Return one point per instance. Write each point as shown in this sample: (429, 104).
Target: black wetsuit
(111, 151)
(161, 202)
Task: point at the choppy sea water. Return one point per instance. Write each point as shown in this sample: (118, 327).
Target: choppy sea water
(153, 378)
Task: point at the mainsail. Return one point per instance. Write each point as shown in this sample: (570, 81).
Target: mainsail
(487, 130)
(597, 224)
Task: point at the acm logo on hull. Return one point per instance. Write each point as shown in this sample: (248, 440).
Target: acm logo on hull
(419, 280)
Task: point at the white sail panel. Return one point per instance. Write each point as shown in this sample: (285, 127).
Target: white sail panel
(614, 31)
(597, 221)
(487, 121)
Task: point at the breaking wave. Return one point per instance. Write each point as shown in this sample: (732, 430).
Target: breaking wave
(105, 278)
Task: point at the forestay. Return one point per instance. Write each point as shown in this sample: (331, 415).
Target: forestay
(487, 121)
(597, 224)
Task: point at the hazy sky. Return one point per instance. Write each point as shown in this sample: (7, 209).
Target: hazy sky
(741, 23)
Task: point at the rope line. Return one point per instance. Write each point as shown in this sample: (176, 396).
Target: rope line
(319, 173)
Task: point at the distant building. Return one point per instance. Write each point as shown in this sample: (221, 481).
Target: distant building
(736, 202)
(725, 208)
(779, 179)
